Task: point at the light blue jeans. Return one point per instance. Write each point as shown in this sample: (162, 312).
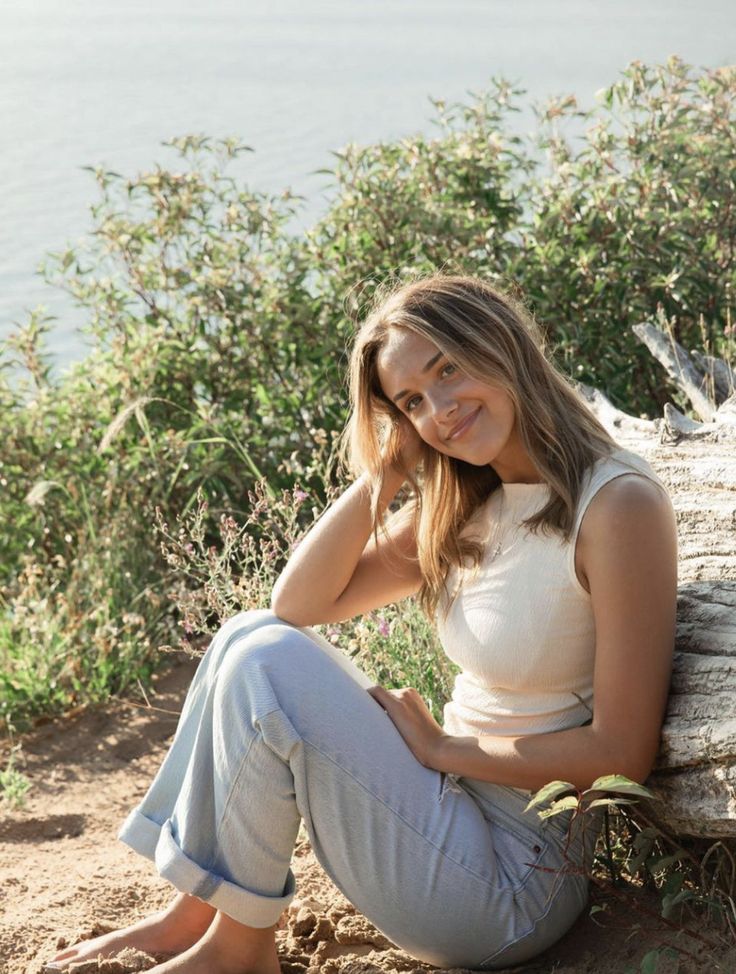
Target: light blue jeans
(278, 727)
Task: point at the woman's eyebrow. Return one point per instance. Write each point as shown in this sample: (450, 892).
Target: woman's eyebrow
(427, 367)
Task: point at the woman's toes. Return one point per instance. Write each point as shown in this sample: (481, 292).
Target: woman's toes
(63, 955)
(59, 961)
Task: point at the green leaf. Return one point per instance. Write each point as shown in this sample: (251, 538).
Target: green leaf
(610, 802)
(549, 792)
(563, 805)
(663, 862)
(644, 851)
(670, 902)
(619, 783)
(674, 884)
(649, 962)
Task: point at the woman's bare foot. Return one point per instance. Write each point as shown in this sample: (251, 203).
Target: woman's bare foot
(227, 947)
(169, 931)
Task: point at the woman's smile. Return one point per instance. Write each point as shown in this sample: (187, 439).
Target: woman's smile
(464, 425)
(452, 412)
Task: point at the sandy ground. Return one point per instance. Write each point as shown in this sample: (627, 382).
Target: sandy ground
(64, 876)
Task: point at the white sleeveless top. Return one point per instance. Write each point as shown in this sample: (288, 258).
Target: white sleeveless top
(521, 628)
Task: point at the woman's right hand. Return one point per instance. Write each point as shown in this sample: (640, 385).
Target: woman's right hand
(405, 446)
(340, 569)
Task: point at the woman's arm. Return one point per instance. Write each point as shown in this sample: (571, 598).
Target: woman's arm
(627, 548)
(339, 571)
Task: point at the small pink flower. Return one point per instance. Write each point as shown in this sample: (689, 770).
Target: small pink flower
(384, 629)
(299, 495)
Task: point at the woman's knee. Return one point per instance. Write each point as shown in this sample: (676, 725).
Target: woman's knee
(231, 632)
(263, 671)
(247, 620)
(238, 626)
(265, 639)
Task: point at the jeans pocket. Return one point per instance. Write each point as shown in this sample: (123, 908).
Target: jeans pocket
(518, 853)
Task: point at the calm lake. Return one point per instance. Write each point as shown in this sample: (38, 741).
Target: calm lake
(88, 82)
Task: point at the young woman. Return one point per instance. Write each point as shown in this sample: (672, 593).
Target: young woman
(548, 556)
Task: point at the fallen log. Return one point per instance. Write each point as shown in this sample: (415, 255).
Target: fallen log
(695, 772)
(679, 365)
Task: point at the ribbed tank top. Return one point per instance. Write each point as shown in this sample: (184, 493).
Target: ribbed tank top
(521, 627)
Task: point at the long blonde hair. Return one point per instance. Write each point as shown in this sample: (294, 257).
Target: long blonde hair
(492, 338)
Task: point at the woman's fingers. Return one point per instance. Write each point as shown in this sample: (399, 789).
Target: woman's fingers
(387, 697)
(410, 445)
(380, 695)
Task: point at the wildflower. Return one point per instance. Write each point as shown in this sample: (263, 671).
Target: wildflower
(384, 629)
(299, 495)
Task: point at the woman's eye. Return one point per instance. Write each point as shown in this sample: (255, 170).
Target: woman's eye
(411, 403)
(449, 369)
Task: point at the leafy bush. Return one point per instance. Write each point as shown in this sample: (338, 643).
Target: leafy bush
(219, 339)
(396, 645)
(405, 208)
(639, 220)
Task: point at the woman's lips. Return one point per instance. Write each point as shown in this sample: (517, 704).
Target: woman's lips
(463, 426)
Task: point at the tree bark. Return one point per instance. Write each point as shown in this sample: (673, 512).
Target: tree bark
(695, 773)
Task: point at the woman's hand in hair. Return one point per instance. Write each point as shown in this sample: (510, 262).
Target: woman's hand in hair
(412, 719)
(404, 446)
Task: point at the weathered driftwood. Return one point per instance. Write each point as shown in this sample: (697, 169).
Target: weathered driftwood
(679, 365)
(720, 376)
(695, 773)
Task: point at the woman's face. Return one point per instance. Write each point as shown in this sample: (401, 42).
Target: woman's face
(452, 412)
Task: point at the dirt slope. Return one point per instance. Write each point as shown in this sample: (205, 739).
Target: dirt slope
(63, 874)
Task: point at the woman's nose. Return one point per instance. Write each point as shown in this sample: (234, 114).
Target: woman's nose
(442, 407)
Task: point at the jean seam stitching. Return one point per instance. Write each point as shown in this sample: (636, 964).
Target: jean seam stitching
(408, 824)
(518, 940)
(231, 792)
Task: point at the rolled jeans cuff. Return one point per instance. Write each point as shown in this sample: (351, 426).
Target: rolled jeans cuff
(157, 843)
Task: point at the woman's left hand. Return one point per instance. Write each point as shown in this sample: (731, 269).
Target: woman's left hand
(413, 721)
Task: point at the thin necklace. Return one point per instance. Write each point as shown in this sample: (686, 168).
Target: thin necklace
(498, 533)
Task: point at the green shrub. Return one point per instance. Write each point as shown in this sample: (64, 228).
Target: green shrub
(219, 339)
(638, 221)
(209, 582)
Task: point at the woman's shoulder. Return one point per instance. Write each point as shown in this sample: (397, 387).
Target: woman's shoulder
(629, 471)
(621, 485)
(621, 461)
(627, 520)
